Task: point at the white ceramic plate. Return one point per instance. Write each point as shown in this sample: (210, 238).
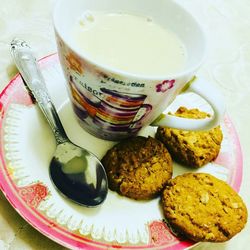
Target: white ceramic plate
(27, 145)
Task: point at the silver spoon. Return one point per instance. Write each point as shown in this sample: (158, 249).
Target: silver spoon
(75, 171)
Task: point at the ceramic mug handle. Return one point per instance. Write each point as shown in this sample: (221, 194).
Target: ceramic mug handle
(207, 91)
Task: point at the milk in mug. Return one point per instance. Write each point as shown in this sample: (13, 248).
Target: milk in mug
(131, 43)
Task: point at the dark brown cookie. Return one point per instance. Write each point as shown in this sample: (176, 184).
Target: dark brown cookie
(192, 148)
(203, 208)
(138, 168)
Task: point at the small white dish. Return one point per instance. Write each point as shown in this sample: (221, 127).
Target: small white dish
(27, 145)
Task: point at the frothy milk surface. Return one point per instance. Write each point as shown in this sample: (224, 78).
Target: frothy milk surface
(131, 43)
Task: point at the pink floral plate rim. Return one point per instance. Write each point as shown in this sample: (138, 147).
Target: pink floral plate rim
(26, 200)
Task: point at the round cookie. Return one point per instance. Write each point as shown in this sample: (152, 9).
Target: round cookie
(192, 148)
(138, 168)
(203, 208)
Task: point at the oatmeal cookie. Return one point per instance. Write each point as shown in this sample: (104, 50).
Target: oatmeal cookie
(203, 208)
(138, 167)
(192, 148)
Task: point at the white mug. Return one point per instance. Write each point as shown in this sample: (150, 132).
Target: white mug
(113, 104)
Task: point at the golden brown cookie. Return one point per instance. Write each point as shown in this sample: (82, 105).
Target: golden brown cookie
(203, 208)
(138, 168)
(192, 148)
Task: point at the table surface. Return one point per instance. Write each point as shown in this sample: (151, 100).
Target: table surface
(227, 24)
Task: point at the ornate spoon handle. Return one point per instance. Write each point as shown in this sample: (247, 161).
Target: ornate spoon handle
(28, 68)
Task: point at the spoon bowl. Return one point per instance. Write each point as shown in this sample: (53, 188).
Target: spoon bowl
(76, 173)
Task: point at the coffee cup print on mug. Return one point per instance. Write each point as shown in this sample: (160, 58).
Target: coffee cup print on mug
(126, 61)
(115, 112)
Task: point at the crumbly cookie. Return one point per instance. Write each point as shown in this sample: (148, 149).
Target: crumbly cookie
(203, 208)
(138, 168)
(192, 148)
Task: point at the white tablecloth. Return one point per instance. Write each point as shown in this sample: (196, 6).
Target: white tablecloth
(227, 24)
